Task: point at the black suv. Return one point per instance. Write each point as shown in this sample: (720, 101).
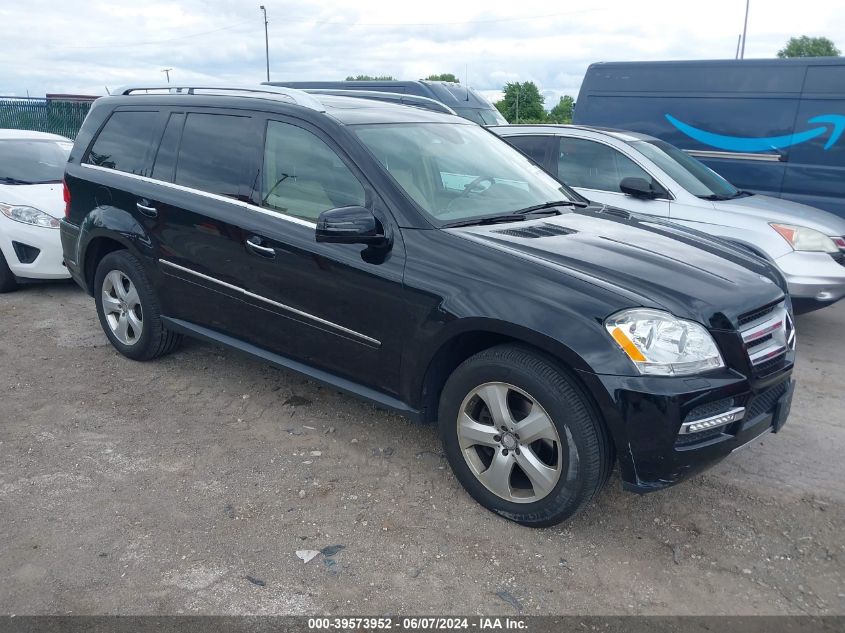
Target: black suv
(415, 259)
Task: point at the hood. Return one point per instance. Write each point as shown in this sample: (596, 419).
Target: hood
(661, 264)
(784, 211)
(47, 197)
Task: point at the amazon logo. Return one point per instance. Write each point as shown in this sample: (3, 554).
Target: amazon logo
(832, 124)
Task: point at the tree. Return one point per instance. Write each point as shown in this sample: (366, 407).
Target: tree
(562, 112)
(443, 77)
(524, 97)
(809, 47)
(370, 78)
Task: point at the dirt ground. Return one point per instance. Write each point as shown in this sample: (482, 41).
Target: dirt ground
(187, 485)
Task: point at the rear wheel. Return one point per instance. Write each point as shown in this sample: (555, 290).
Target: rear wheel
(8, 283)
(129, 310)
(522, 437)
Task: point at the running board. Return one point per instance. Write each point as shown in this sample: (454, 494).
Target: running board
(327, 378)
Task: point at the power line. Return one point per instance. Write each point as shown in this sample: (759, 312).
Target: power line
(482, 21)
(164, 41)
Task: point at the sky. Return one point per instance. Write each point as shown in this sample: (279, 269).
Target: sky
(87, 46)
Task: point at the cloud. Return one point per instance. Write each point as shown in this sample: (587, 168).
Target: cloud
(79, 46)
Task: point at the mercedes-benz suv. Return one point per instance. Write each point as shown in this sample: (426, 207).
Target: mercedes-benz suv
(415, 259)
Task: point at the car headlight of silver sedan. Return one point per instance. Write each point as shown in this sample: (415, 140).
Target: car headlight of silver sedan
(661, 344)
(802, 238)
(28, 215)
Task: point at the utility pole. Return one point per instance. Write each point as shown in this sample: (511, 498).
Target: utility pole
(744, 29)
(738, 42)
(166, 72)
(266, 42)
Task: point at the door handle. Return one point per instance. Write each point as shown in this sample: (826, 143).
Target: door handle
(254, 244)
(148, 211)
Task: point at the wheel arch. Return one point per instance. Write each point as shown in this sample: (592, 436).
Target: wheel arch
(472, 337)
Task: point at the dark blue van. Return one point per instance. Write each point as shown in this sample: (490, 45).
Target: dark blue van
(771, 126)
(466, 102)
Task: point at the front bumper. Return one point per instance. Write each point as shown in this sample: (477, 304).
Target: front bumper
(813, 278)
(645, 415)
(47, 264)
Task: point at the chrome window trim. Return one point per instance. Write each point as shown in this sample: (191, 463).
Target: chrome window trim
(205, 194)
(706, 153)
(276, 304)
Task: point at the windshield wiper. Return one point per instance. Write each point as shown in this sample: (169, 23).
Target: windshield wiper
(714, 197)
(549, 205)
(14, 181)
(496, 219)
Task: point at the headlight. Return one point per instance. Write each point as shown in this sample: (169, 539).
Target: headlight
(803, 239)
(28, 215)
(663, 345)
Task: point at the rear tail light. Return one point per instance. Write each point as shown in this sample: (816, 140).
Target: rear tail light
(66, 196)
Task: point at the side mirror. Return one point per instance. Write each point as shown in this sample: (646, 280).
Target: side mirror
(641, 188)
(349, 225)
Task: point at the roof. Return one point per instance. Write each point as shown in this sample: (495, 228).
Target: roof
(343, 109)
(557, 129)
(30, 135)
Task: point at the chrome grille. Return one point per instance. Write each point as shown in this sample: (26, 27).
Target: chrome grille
(768, 334)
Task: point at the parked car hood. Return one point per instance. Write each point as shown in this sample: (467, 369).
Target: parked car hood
(47, 197)
(654, 262)
(784, 211)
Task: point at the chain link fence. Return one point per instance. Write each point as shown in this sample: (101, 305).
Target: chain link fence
(43, 115)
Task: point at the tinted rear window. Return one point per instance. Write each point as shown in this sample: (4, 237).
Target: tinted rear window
(213, 152)
(123, 142)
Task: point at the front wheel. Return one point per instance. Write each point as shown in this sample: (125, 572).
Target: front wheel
(128, 308)
(521, 436)
(8, 283)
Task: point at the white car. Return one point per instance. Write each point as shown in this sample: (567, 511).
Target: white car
(31, 204)
(640, 173)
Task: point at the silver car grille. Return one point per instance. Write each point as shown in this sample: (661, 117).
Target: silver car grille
(768, 335)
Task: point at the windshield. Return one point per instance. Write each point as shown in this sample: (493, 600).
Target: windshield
(692, 175)
(28, 162)
(482, 117)
(458, 172)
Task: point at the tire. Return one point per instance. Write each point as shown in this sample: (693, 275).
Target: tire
(8, 283)
(129, 310)
(571, 442)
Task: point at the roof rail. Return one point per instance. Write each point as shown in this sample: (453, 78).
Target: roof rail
(291, 95)
(393, 97)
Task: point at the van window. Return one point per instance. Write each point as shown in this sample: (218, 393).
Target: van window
(213, 153)
(165, 160)
(592, 165)
(302, 176)
(124, 141)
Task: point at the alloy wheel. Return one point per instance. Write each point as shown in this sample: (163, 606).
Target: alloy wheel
(122, 307)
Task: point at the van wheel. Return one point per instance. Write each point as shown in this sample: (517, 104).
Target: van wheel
(8, 283)
(521, 436)
(129, 310)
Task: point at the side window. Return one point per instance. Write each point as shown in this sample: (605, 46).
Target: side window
(123, 142)
(302, 176)
(165, 160)
(592, 165)
(532, 146)
(212, 154)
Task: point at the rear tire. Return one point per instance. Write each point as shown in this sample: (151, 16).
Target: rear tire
(8, 283)
(540, 453)
(129, 310)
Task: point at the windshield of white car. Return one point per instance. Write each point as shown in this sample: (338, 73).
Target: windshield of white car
(32, 162)
(691, 174)
(457, 172)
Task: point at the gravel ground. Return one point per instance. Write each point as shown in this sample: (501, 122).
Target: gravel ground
(187, 485)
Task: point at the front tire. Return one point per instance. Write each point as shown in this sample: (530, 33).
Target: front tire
(128, 308)
(8, 283)
(522, 437)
